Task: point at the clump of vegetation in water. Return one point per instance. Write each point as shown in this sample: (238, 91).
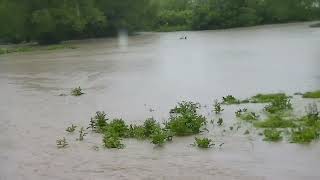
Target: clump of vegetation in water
(77, 91)
(62, 143)
(239, 112)
(217, 107)
(314, 94)
(272, 135)
(220, 122)
(279, 104)
(117, 127)
(71, 129)
(203, 142)
(112, 142)
(315, 25)
(247, 116)
(275, 121)
(138, 132)
(228, 100)
(34, 48)
(304, 134)
(98, 122)
(82, 134)
(267, 98)
(158, 137)
(185, 120)
(246, 132)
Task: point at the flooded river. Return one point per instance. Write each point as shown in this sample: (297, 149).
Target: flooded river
(127, 77)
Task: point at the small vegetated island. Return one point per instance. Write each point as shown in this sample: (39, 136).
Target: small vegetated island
(279, 123)
(51, 22)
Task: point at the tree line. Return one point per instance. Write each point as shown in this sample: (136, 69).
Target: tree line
(52, 21)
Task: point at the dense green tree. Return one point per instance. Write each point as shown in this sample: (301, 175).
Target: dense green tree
(52, 21)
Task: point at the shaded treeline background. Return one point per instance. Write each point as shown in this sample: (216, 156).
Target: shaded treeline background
(52, 21)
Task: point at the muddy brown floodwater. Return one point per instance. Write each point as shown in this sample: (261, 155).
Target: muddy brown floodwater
(156, 70)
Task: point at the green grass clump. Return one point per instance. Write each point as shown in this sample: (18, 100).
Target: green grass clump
(267, 98)
(77, 91)
(71, 129)
(314, 94)
(275, 121)
(203, 142)
(112, 142)
(62, 143)
(279, 104)
(184, 119)
(304, 135)
(272, 135)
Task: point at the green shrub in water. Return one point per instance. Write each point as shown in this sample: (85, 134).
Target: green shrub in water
(184, 119)
(275, 121)
(98, 122)
(203, 142)
(314, 94)
(112, 142)
(248, 116)
(62, 143)
(71, 129)
(77, 91)
(272, 135)
(117, 127)
(304, 134)
(217, 107)
(138, 132)
(267, 98)
(158, 137)
(150, 125)
(279, 104)
(230, 100)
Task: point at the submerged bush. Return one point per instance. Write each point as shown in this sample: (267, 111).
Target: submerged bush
(267, 98)
(248, 116)
(275, 121)
(220, 122)
(138, 132)
(184, 119)
(82, 134)
(62, 143)
(98, 122)
(314, 94)
(279, 104)
(272, 135)
(77, 91)
(117, 127)
(112, 142)
(217, 107)
(71, 129)
(158, 137)
(304, 135)
(203, 142)
(230, 100)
